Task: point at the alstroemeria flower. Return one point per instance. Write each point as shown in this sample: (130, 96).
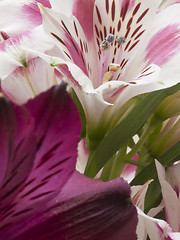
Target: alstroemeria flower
(24, 75)
(19, 16)
(120, 48)
(42, 196)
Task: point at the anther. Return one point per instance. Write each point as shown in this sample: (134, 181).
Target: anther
(114, 67)
(110, 38)
(104, 45)
(120, 40)
(108, 76)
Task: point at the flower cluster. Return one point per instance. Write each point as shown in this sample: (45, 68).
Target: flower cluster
(89, 120)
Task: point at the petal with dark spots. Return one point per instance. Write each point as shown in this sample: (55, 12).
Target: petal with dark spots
(85, 209)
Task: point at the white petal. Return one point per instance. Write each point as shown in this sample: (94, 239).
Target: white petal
(92, 102)
(171, 200)
(26, 83)
(138, 194)
(20, 15)
(156, 229)
(12, 53)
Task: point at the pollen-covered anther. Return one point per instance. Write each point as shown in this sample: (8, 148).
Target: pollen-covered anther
(108, 76)
(104, 45)
(120, 40)
(110, 38)
(114, 67)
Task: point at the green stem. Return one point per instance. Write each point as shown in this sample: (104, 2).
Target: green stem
(140, 143)
(118, 163)
(132, 162)
(107, 170)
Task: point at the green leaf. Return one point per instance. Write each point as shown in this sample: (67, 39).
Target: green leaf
(148, 173)
(126, 129)
(170, 156)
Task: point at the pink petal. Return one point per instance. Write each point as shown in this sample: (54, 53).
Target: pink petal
(164, 40)
(32, 12)
(129, 19)
(22, 15)
(70, 37)
(79, 9)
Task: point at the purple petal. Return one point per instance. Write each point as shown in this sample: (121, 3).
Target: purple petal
(57, 139)
(85, 209)
(57, 127)
(17, 147)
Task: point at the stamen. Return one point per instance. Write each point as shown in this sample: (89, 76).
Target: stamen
(110, 38)
(114, 67)
(108, 76)
(120, 40)
(104, 45)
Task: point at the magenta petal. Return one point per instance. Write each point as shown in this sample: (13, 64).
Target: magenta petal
(85, 209)
(57, 127)
(58, 131)
(17, 148)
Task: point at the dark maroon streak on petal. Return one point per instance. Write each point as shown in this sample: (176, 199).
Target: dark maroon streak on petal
(86, 209)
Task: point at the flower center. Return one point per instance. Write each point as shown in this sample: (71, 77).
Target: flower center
(105, 47)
